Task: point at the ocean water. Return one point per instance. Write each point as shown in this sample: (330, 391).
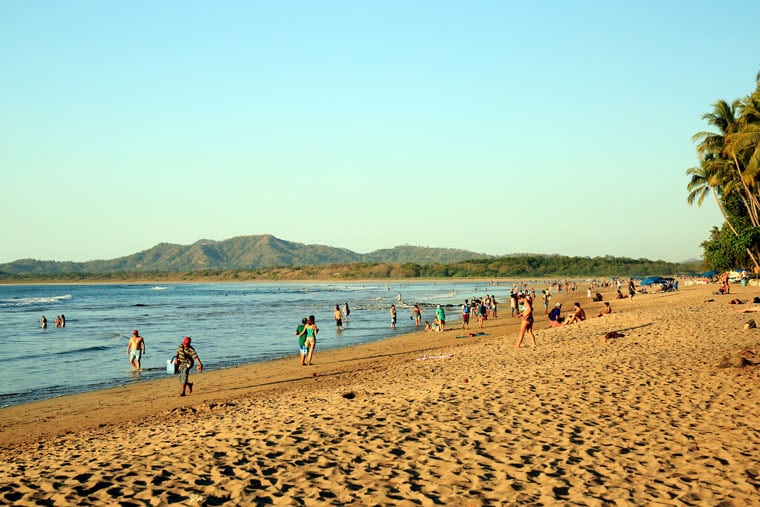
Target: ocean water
(230, 323)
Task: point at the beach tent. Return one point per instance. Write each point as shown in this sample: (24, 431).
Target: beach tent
(652, 280)
(709, 274)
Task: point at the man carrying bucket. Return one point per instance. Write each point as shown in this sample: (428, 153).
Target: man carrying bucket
(186, 354)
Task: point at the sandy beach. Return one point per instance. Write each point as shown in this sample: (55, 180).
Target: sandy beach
(428, 419)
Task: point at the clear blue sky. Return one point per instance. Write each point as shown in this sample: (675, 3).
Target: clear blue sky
(497, 127)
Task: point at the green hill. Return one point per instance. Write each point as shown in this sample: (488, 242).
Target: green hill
(239, 253)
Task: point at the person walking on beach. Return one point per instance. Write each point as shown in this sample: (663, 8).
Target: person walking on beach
(186, 355)
(393, 316)
(631, 288)
(527, 321)
(310, 331)
(338, 318)
(417, 315)
(135, 349)
(302, 340)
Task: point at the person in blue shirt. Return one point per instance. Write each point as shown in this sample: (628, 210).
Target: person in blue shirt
(554, 315)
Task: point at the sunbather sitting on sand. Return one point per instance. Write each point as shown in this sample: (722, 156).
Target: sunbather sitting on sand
(606, 310)
(578, 315)
(554, 316)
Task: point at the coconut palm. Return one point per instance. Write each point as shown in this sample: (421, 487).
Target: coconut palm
(745, 141)
(722, 169)
(699, 186)
(724, 119)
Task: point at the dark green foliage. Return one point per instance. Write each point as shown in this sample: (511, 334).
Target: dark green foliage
(721, 252)
(729, 170)
(509, 267)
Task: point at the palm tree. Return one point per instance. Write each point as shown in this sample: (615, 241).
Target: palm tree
(745, 141)
(706, 179)
(724, 119)
(717, 170)
(699, 186)
(721, 169)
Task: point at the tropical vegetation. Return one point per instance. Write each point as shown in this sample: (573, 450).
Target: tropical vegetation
(729, 172)
(523, 266)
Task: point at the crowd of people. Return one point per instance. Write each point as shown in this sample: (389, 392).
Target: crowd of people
(521, 298)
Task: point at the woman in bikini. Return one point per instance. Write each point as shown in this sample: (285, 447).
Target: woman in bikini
(310, 330)
(527, 321)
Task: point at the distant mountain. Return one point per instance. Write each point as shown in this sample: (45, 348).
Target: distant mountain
(240, 253)
(421, 255)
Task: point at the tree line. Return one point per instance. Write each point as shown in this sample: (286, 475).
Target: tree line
(509, 267)
(729, 171)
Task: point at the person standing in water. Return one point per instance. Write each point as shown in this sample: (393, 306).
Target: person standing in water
(346, 311)
(135, 349)
(43, 322)
(417, 315)
(338, 318)
(393, 316)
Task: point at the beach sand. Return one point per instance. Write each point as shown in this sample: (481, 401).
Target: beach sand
(427, 419)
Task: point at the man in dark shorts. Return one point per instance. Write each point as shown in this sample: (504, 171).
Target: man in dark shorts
(186, 354)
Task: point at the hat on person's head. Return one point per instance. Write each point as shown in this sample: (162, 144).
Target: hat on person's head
(558, 305)
(186, 341)
(134, 332)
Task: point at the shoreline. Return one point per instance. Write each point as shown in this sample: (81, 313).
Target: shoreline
(146, 394)
(158, 394)
(29, 383)
(382, 281)
(22, 388)
(427, 418)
